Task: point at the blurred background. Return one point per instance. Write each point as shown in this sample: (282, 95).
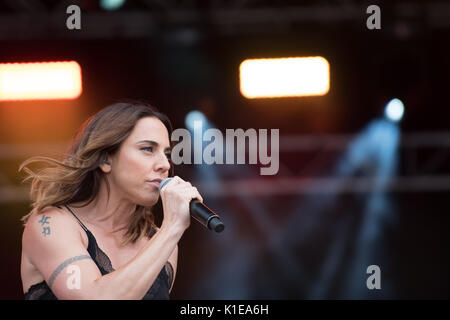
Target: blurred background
(364, 175)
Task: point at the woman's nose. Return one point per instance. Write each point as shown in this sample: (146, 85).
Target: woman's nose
(162, 164)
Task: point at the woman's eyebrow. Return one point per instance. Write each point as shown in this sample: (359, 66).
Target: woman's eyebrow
(153, 143)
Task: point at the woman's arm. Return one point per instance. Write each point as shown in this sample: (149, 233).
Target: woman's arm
(133, 280)
(173, 259)
(53, 243)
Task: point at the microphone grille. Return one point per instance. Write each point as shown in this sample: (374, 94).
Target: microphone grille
(163, 183)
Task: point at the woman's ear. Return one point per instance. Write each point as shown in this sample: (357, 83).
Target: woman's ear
(105, 166)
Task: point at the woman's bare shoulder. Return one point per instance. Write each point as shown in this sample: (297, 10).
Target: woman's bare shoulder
(48, 223)
(46, 216)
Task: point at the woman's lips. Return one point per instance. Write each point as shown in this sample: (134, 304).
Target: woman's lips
(154, 183)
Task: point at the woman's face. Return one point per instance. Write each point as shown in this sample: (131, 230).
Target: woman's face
(142, 157)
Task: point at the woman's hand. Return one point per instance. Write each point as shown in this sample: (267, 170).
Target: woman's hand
(176, 196)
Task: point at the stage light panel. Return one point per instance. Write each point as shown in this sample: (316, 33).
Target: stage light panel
(284, 77)
(40, 80)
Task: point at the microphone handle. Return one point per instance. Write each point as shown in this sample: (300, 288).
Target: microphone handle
(205, 216)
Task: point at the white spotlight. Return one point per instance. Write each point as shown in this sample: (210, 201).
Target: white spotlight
(394, 110)
(111, 4)
(193, 116)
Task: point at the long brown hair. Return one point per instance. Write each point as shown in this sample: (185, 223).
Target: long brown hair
(77, 178)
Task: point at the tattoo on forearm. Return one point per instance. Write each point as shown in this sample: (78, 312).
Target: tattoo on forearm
(63, 265)
(43, 222)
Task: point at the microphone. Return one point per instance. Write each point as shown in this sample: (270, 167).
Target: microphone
(201, 213)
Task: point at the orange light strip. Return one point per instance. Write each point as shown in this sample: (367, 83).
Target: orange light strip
(40, 80)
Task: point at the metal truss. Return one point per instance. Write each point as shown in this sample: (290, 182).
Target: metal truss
(424, 161)
(34, 19)
(425, 168)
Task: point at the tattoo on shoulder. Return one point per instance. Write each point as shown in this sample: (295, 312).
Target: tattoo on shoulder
(45, 229)
(63, 265)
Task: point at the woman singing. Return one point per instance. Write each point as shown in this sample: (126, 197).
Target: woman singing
(91, 232)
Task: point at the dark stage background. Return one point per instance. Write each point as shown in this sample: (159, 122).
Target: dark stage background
(311, 231)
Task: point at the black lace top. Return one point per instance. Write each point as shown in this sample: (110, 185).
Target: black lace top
(158, 291)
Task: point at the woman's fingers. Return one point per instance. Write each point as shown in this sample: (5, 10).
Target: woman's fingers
(188, 191)
(185, 188)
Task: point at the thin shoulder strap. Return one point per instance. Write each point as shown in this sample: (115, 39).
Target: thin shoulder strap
(81, 223)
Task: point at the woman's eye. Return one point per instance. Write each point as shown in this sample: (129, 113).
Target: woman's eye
(168, 155)
(148, 149)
